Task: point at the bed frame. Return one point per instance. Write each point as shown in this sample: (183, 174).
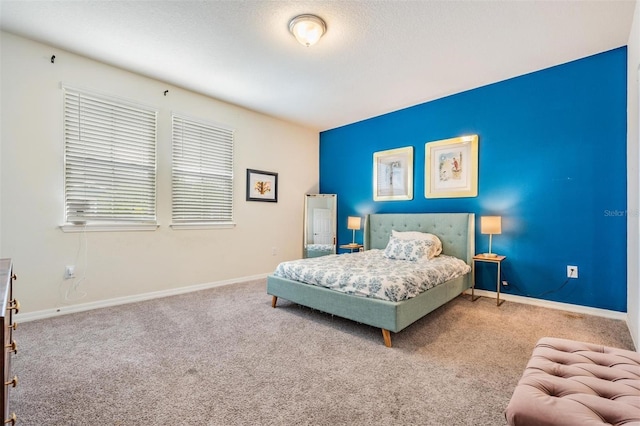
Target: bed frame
(457, 233)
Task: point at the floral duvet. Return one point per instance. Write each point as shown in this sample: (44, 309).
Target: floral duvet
(371, 274)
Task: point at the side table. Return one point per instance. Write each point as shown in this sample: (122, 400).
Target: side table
(352, 247)
(498, 261)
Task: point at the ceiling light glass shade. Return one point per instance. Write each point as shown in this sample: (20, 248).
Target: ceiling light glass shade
(307, 29)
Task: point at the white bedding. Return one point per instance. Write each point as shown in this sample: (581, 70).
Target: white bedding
(371, 274)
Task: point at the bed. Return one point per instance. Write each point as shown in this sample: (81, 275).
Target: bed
(455, 230)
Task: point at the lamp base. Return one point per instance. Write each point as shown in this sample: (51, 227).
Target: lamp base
(489, 255)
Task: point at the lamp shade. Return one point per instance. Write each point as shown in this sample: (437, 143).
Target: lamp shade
(354, 222)
(307, 29)
(491, 225)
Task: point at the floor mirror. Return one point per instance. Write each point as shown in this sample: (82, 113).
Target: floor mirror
(320, 224)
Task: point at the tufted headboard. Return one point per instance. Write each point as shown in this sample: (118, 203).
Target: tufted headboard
(455, 230)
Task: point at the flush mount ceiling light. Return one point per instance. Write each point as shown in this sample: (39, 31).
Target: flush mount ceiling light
(307, 29)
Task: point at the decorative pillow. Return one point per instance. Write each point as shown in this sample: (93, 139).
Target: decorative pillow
(408, 249)
(416, 235)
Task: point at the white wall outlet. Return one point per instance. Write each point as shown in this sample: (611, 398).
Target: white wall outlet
(274, 251)
(69, 272)
(572, 271)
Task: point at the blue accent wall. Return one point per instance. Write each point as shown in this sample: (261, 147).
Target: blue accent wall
(552, 163)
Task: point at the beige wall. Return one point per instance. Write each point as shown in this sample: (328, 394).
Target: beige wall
(633, 184)
(124, 264)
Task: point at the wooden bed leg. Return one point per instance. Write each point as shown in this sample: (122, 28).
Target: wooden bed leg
(386, 335)
(274, 301)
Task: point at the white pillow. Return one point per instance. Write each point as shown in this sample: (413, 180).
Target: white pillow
(408, 249)
(416, 235)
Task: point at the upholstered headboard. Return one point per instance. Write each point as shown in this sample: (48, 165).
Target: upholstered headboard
(455, 230)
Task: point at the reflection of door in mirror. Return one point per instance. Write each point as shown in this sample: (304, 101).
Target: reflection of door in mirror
(322, 233)
(320, 224)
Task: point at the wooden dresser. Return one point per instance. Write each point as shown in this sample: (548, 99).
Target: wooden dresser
(10, 308)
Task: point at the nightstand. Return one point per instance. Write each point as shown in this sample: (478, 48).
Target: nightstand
(498, 261)
(352, 247)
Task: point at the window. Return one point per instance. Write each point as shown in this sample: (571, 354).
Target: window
(202, 174)
(109, 162)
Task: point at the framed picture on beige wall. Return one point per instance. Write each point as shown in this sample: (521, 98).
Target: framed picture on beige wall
(262, 186)
(451, 168)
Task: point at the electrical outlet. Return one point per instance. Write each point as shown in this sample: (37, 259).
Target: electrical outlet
(69, 272)
(572, 271)
(274, 251)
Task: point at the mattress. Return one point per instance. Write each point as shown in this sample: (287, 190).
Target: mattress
(371, 274)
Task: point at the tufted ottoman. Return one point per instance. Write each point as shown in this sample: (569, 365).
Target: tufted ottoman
(574, 383)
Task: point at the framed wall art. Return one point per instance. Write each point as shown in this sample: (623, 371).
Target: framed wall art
(393, 174)
(451, 168)
(262, 186)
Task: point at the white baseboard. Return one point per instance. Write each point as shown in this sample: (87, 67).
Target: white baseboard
(63, 310)
(554, 305)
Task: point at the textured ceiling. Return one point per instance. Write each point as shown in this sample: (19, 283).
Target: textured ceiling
(376, 57)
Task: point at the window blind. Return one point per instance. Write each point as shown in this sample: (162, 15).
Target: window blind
(202, 173)
(110, 160)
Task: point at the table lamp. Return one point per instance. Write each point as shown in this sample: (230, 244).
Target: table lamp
(490, 225)
(353, 223)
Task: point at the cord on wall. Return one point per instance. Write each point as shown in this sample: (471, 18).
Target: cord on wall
(554, 290)
(73, 292)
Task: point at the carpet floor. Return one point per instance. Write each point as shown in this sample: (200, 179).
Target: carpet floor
(224, 357)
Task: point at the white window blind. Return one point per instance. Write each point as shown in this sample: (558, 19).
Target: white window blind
(202, 173)
(110, 160)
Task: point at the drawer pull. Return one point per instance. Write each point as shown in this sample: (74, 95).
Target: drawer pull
(12, 419)
(14, 277)
(13, 382)
(14, 304)
(13, 326)
(13, 346)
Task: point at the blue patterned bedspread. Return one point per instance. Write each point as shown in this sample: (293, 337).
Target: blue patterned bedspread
(371, 274)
